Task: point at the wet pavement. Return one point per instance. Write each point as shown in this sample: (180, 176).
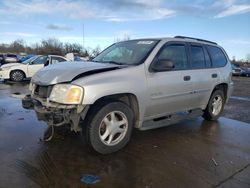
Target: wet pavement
(193, 153)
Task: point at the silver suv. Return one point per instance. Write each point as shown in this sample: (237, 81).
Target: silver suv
(144, 83)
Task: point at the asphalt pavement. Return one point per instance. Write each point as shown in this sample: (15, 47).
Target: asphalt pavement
(194, 153)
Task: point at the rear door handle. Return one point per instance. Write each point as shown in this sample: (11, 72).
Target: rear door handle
(214, 75)
(187, 78)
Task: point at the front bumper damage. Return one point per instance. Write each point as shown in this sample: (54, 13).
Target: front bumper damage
(55, 114)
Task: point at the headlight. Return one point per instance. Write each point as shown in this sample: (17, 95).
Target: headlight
(66, 94)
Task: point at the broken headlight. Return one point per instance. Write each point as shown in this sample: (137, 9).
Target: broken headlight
(66, 94)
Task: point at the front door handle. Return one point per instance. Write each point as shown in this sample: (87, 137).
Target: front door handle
(187, 78)
(214, 75)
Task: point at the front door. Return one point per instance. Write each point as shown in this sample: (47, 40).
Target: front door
(37, 64)
(170, 91)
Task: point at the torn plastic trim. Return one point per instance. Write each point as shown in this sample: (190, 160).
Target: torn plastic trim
(57, 114)
(58, 117)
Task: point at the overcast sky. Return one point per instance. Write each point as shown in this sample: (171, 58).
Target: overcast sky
(224, 21)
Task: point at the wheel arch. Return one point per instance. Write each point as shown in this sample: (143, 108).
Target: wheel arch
(127, 98)
(223, 87)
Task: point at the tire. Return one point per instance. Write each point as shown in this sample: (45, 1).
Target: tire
(109, 126)
(215, 106)
(17, 76)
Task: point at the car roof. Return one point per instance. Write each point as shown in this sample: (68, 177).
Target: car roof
(56, 56)
(182, 39)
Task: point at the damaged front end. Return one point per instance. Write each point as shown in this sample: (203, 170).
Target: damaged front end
(55, 110)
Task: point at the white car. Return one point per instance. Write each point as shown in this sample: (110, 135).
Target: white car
(19, 71)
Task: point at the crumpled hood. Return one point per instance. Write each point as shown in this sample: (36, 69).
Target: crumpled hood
(10, 65)
(67, 71)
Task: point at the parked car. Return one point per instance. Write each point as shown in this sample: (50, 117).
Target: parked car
(24, 58)
(144, 83)
(76, 57)
(236, 70)
(1, 59)
(245, 71)
(19, 71)
(8, 58)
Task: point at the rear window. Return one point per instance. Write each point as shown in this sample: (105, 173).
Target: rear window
(217, 56)
(198, 58)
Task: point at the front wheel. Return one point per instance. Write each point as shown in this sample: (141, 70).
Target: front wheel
(109, 127)
(17, 76)
(215, 105)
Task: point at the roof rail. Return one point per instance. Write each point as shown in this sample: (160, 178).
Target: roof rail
(202, 40)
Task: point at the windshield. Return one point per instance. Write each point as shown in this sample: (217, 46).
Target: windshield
(29, 60)
(131, 52)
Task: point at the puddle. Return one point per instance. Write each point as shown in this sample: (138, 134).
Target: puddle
(44, 174)
(18, 95)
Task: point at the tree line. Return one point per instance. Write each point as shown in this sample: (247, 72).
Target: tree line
(48, 46)
(56, 47)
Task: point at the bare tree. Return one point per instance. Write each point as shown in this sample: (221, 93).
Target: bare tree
(95, 51)
(124, 38)
(17, 46)
(48, 46)
(248, 57)
(51, 46)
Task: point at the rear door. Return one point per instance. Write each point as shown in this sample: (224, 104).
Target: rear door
(170, 91)
(204, 75)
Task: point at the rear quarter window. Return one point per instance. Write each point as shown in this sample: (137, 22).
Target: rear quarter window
(217, 56)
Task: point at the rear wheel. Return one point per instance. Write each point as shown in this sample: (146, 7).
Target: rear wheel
(215, 105)
(109, 127)
(17, 76)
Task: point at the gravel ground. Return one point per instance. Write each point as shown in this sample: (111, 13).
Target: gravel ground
(238, 106)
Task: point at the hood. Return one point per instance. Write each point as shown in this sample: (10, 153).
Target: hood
(10, 65)
(68, 71)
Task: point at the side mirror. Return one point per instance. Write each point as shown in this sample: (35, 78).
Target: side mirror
(163, 65)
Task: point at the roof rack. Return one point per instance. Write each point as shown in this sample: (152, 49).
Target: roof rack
(202, 40)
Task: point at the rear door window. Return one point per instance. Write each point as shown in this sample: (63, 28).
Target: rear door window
(55, 59)
(197, 57)
(217, 56)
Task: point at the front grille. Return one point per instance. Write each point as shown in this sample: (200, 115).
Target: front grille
(42, 91)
